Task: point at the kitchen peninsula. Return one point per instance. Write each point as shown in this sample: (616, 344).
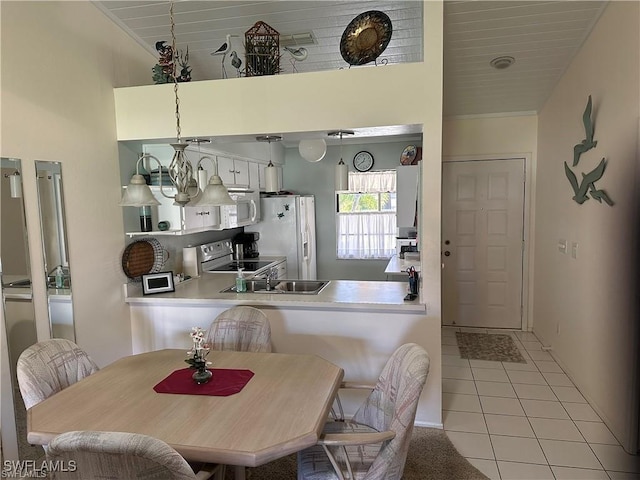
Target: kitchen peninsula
(354, 324)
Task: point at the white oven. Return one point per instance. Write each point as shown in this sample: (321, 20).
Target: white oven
(245, 212)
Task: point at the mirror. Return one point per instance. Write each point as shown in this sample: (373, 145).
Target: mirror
(17, 304)
(54, 247)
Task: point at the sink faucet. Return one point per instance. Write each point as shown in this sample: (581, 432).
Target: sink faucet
(272, 274)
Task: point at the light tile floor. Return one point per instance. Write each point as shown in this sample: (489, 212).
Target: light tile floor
(526, 421)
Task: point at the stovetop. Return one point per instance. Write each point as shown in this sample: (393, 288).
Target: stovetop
(248, 266)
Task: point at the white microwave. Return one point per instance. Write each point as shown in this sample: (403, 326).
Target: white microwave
(245, 212)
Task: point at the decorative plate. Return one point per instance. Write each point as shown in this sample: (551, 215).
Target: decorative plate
(366, 37)
(408, 155)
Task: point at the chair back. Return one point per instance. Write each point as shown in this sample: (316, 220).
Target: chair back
(392, 406)
(49, 367)
(240, 329)
(114, 455)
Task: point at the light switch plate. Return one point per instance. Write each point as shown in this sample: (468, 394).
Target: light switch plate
(562, 245)
(574, 249)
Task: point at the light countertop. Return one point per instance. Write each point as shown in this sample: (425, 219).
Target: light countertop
(399, 265)
(338, 294)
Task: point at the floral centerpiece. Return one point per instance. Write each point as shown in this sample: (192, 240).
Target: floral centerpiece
(197, 356)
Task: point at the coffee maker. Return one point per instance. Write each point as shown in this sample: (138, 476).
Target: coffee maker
(247, 243)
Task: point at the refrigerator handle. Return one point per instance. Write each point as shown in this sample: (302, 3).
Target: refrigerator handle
(305, 244)
(254, 210)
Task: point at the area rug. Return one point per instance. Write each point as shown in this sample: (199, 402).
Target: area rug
(487, 346)
(431, 456)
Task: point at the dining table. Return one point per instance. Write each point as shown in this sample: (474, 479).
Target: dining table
(280, 410)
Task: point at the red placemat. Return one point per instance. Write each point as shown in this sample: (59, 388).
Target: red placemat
(225, 382)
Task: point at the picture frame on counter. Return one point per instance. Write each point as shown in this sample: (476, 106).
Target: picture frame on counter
(161, 282)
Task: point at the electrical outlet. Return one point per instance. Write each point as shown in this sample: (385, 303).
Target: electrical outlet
(562, 245)
(574, 249)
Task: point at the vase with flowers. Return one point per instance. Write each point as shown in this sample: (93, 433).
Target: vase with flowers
(197, 357)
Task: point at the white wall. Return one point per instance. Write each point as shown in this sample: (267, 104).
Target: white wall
(318, 179)
(585, 308)
(60, 62)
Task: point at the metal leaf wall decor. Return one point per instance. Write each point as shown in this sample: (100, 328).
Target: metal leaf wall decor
(587, 186)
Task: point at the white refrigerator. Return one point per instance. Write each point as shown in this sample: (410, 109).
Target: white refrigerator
(288, 227)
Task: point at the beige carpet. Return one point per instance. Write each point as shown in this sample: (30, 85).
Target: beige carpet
(432, 456)
(488, 346)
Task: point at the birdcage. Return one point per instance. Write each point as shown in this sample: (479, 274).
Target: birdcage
(262, 50)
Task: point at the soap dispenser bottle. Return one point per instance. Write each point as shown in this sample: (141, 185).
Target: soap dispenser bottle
(241, 283)
(59, 277)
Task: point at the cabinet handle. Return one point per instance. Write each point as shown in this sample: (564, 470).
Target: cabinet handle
(232, 171)
(237, 171)
(205, 213)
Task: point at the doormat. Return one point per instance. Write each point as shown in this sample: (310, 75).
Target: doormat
(487, 346)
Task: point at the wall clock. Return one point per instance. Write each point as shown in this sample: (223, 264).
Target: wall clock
(363, 161)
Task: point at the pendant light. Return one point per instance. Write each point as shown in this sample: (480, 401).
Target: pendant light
(342, 171)
(180, 168)
(312, 149)
(211, 192)
(138, 193)
(15, 185)
(271, 172)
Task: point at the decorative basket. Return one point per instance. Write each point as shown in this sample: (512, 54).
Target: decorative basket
(262, 50)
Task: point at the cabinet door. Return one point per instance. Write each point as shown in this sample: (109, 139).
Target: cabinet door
(241, 171)
(193, 218)
(254, 176)
(226, 170)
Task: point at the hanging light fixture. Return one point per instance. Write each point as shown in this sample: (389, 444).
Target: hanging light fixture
(342, 171)
(271, 172)
(15, 185)
(214, 193)
(180, 168)
(138, 193)
(312, 149)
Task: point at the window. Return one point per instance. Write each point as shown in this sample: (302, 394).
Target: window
(366, 216)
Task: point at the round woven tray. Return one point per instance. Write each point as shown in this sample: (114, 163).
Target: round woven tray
(142, 257)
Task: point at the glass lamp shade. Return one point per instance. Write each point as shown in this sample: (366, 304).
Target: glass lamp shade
(271, 178)
(342, 176)
(312, 150)
(15, 185)
(138, 194)
(215, 194)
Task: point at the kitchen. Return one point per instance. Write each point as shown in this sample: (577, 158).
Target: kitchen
(373, 315)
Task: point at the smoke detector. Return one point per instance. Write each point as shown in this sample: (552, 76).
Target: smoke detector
(500, 63)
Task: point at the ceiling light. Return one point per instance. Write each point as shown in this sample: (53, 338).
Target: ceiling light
(271, 172)
(312, 149)
(500, 63)
(342, 171)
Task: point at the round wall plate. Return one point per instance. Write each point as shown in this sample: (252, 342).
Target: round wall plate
(366, 37)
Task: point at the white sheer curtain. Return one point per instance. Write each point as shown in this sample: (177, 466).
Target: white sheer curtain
(368, 235)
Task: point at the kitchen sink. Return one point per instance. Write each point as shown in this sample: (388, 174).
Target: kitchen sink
(305, 287)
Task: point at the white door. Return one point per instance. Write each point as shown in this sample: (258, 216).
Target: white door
(482, 243)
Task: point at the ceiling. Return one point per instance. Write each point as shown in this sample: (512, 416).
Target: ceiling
(542, 37)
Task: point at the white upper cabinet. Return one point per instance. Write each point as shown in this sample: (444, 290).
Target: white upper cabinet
(233, 171)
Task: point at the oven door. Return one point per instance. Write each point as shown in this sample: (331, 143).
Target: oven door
(245, 212)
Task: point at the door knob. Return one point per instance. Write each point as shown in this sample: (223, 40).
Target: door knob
(447, 253)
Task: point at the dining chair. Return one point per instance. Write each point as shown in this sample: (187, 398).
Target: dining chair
(89, 455)
(50, 366)
(373, 445)
(241, 329)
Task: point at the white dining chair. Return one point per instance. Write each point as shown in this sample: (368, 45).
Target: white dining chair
(50, 366)
(375, 442)
(89, 455)
(241, 329)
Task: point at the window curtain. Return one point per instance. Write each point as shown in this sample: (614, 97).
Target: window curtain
(370, 182)
(368, 235)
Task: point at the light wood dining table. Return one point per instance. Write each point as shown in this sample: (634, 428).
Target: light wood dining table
(281, 410)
